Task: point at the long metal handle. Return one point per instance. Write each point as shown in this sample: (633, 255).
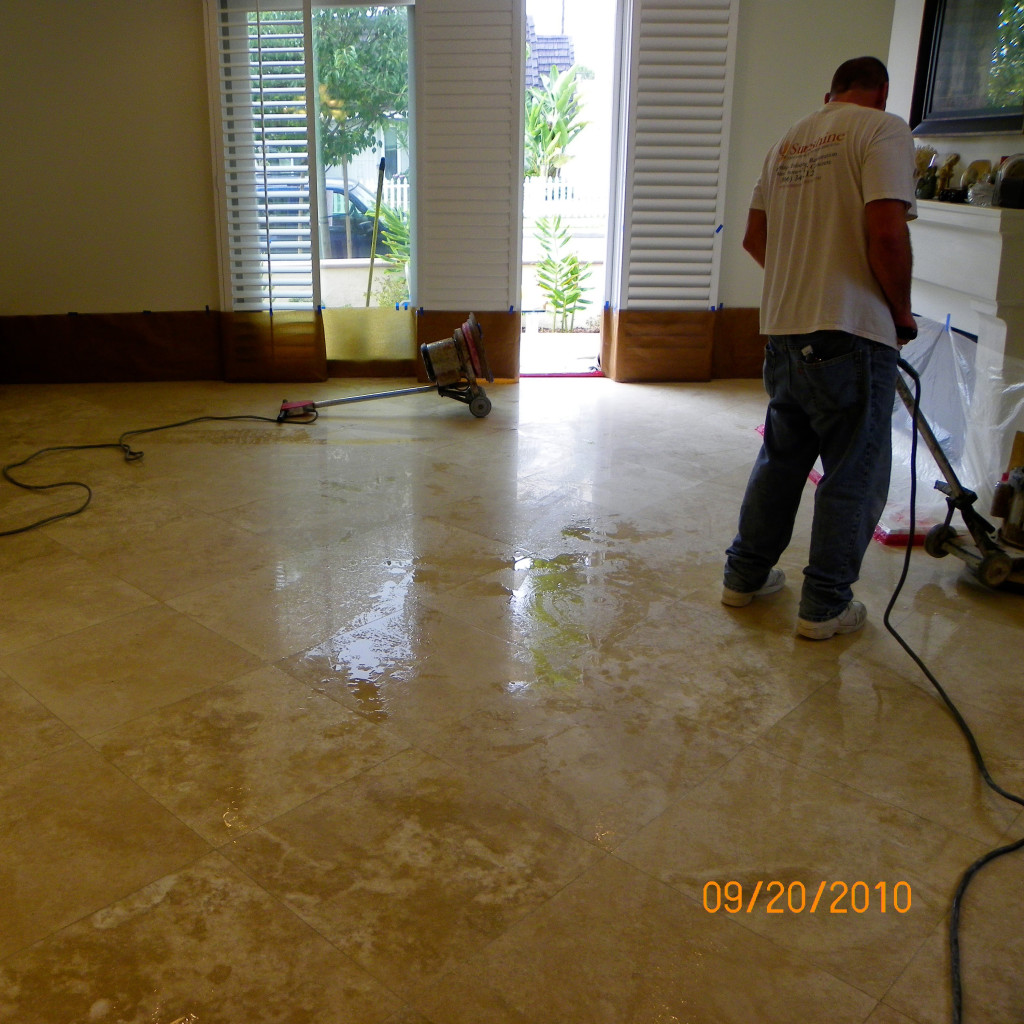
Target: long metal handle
(956, 489)
(370, 398)
(376, 225)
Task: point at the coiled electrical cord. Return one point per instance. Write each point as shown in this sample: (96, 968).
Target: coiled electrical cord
(121, 444)
(954, 919)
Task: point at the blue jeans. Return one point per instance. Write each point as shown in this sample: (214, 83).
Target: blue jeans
(836, 402)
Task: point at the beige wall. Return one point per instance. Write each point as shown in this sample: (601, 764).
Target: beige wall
(786, 53)
(105, 175)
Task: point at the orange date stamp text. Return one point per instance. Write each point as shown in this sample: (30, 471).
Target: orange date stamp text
(777, 897)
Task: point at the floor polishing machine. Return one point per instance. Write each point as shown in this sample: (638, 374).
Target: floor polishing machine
(995, 556)
(454, 365)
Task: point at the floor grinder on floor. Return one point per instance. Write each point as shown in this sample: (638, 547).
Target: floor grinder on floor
(995, 556)
(453, 364)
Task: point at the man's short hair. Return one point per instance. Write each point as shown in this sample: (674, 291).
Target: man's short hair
(859, 73)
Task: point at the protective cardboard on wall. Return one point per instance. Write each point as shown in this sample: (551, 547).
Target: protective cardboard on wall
(501, 333)
(274, 346)
(82, 349)
(645, 345)
(738, 344)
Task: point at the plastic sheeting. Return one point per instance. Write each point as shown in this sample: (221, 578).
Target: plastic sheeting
(955, 403)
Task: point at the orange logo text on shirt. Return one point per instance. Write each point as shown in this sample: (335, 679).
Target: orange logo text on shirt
(791, 149)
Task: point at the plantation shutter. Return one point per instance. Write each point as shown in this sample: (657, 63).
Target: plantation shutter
(468, 122)
(673, 145)
(265, 143)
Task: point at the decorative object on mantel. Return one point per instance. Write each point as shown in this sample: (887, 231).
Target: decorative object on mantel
(934, 180)
(1011, 182)
(981, 193)
(924, 165)
(977, 180)
(981, 184)
(977, 170)
(927, 184)
(946, 172)
(924, 157)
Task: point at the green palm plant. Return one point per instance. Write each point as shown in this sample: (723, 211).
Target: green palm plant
(552, 122)
(560, 273)
(394, 227)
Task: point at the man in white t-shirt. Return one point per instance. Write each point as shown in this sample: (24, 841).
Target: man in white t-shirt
(828, 222)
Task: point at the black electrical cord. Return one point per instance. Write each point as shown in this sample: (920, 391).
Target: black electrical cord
(130, 455)
(954, 919)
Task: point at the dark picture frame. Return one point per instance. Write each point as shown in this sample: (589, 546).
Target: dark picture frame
(958, 85)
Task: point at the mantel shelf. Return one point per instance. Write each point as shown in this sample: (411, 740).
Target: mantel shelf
(970, 218)
(967, 259)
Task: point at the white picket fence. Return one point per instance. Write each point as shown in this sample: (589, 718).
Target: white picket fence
(395, 195)
(580, 206)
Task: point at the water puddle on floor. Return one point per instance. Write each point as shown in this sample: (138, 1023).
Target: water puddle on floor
(573, 600)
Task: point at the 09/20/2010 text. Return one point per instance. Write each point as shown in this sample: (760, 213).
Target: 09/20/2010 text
(775, 897)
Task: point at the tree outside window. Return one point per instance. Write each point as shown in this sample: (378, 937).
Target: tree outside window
(361, 57)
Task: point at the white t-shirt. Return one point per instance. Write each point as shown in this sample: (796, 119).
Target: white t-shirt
(813, 188)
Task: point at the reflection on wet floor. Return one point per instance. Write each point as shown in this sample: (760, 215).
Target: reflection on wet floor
(404, 717)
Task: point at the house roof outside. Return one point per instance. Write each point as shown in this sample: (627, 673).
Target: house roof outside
(545, 52)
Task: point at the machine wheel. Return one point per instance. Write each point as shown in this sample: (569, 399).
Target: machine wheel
(995, 568)
(480, 405)
(936, 537)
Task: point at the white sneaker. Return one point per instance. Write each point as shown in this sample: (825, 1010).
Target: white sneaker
(741, 598)
(849, 620)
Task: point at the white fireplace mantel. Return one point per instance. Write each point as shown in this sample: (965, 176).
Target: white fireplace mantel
(969, 269)
(968, 259)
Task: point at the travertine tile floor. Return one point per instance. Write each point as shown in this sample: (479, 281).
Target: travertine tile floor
(406, 717)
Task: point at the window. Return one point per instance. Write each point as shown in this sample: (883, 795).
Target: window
(276, 62)
(970, 73)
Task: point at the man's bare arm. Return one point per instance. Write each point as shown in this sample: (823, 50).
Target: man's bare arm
(755, 239)
(890, 256)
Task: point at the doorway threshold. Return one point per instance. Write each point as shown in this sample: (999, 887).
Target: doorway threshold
(554, 354)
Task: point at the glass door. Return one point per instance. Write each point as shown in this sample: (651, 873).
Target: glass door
(314, 160)
(569, 115)
(361, 67)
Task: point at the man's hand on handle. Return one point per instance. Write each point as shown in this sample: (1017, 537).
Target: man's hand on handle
(906, 331)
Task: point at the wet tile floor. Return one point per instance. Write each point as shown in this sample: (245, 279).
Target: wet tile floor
(405, 717)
